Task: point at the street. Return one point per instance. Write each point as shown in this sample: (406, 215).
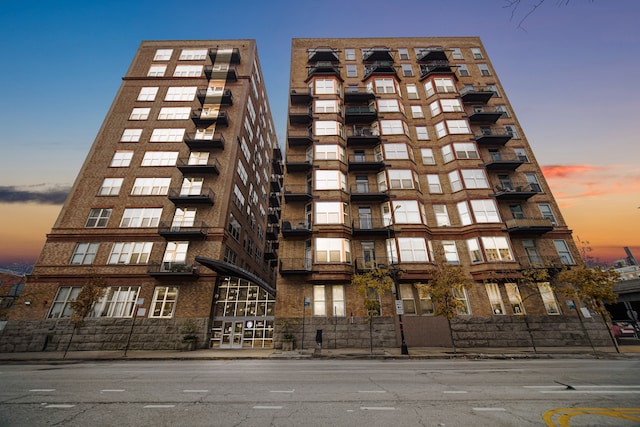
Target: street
(322, 393)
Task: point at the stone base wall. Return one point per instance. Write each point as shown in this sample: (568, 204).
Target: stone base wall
(98, 334)
(342, 332)
(518, 331)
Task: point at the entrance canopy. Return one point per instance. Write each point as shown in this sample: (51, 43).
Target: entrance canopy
(227, 269)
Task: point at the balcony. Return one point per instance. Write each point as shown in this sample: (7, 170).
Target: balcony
(206, 96)
(360, 114)
(297, 193)
(380, 67)
(298, 163)
(363, 264)
(493, 136)
(300, 96)
(528, 225)
(434, 53)
(273, 230)
(364, 163)
(323, 68)
(326, 54)
(476, 94)
(536, 261)
(273, 215)
(368, 193)
(277, 166)
(196, 143)
(183, 198)
(516, 191)
(504, 162)
(275, 199)
(230, 55)
(212, 165)
(275, 185)
(377, 54)
(372, 226)
(362, 137)
(171, 231)
(221, 72)
(293, 266)
(435, 67)
(485, 115)
(300, 116)
(169, 270)
(271, 251)
(358, 95)
(297, 229)
(202, 118)
(299, 138)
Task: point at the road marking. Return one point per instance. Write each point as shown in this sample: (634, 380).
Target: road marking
(159, 406)
(372, 391)
(564, 415)
(42, 389)
(377, 408)
(60, 406)
(195, 391)
(455, 392)
(592, 391)
(112, 390)
(582, 386)
(282, 391)
(488, 409)
(267, 407)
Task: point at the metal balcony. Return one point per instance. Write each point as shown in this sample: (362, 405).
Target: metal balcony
(358, 95)
(323, 68)
(297, 193)
(206, 96)
(300, 116)
(180, 198)
(485, 115)
(173, 231)
(476, 94)
(360, 163)
(206, 120)
(435, 67)
(226, 55)
(273, 215)
(362, 137)
(380, 67)
(377, 54)
(273, 230)
(277, 166)
(199, 144)
(296, 229)
(534, 261)
(271, 251)
(300, 96)
(323, 54)
(169, 270)
(504, 162)
(221, 73)
(211, 166)
(299, 138)
(368, 193)
(493, 136)
(527, 226)
(363, 264)
(298, 163)
(275, 185)
(360, 114)
(433, 53)
(516, 191)
(293, 266)
(372, 226)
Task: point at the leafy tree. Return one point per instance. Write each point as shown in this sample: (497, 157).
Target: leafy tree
(90, 293)
(447, 280)
(372, 285)
(529, 279)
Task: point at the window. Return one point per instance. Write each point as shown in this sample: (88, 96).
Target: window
(545, 210)
(337, 293)
(193, 54)
(563, 251)
(464, 213)
(458, 126)
(330, 180)
(485, 210)
(548, 298)
(325, 86)
(497, 249)
(532, 179)
(447, 154)
(442, 216)
(131, 135)
(384, 86)
(511, 130)
(332, 250)
(319, 301)
(183, 217)
(407, 71)
(329, 152)
(140, 114)
(238, 197)
(450, 251)
(474, 178)
(403, 53)
(408, 301)
(174, 253)
(441, 130)
(395, 151)
(466, 150)
(388, 106)
(392, 127)
(412, 91)
(130, 253)
(407, 212)
(151, 186)
(174, 113)
(476, 52)
(156, 71)
(456, 53)
(435, 108)
(412, 249)
(433, 181)
(164, 301)
(455, 181)
(110, 187)
(84, 253)
(242, 172)
(188, 71)
(121, 159)
(521, 154)
(141, 217)
(416, 112)
(163, 55)
(147, 94)
(460, 294)
(191, 186)
(234, 227)
(181, 93)
(463, 71)
(474, 251)
(352, 70)
(442, 85)
(327, 127)
(495, 299)
(451, 105)
(399, 178)
(98, 218)
(60, 307)
(484, 69)
(427, 156)
(160, 158)
(167, 135)
(331, 213)
(515, 300)
(120, 301)
(350, 54)
(422, 134)
(326, 106)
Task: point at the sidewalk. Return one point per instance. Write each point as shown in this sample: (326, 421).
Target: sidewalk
(421, 353)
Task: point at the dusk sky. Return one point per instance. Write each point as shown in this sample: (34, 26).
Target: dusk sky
(569, 72)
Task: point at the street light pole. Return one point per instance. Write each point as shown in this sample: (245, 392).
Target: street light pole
(404, 350)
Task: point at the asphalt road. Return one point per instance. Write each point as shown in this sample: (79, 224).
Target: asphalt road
(322, 393)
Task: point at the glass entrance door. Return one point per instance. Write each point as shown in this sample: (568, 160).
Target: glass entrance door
(231, 334)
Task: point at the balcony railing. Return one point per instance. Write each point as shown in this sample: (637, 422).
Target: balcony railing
(299, 138)
(184, 198)
(516, 190)
(362, 136)
(504, 162)
(476, 94)
(230, 55)
(493, 136)
(360, 114)
(168, 270)
(297, 193)
(291, 266)
(358, 94)
(208, 97)
(528, 225)
(275, 185)
(273, 215)
(221, 73)
(201, 118)
(212, 165)
(367, 193)
(323, 68)
(435, 67)
(273, 230)
(434, 53)
(366, 263)
(485, 115)
(271, 250)
(298, 163)
(301, 96)
(377, 54)
(300, 116)
(296, 229)
(380, 67)
(361, 163)
(536, 261)
(323, 54)
(377, 226)
(196, 144)
(196, 231)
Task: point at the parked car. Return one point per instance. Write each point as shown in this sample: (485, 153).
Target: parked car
(627, 330)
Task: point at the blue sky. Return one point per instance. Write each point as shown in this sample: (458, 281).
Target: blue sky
(566, 77)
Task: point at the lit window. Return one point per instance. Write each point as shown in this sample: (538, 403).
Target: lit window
(150, 186)
(193, 54)
(98, 218)
(184, 217)
(140, 114)
(119, 301)
(110, 186)
(497, 248)
(163, 55)
(156, 71)
(328, 250)
(188, 71)
(121, 159)
(160, 158)
(61, 307)
(164, 301)
(141, 217)
(167, 135)
(131, 135)
(84, 253)
(181, 93)
(147, 94)
(495, 299)
(191, 186)
(548, 298)
(175, 254)
(515, 300)
(130, 253)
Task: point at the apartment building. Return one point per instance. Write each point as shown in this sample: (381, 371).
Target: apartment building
(398, 148)
(172, 212)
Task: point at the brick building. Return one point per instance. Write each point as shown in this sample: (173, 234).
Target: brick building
(398, 148)
(172, 211)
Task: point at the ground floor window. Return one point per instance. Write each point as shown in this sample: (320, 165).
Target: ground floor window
(60, 307)
(118, 301)
(164, 301)
(548, 298)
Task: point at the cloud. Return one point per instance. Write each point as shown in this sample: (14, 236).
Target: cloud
(568, 171)
(42, 193)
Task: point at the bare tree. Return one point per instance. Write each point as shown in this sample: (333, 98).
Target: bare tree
(372, 285)
(529, 8)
